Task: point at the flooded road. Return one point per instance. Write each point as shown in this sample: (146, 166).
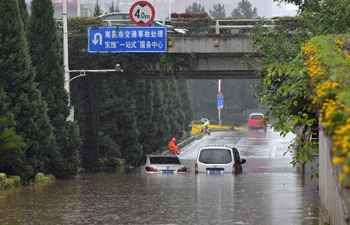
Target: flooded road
(268, 192)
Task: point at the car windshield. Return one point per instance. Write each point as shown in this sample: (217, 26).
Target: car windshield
(215, 156)
(256, 117)
(164, 160)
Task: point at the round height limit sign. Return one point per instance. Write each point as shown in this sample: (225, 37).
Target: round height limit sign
(142, 13)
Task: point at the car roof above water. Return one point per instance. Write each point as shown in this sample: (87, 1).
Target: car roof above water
(215, 147)
(164, 159)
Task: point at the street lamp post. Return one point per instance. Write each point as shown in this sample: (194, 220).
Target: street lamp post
(78, 8)
(169, 1)
(65, 48)
(66, 64)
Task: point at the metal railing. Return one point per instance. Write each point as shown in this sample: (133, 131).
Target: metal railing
(230, 27)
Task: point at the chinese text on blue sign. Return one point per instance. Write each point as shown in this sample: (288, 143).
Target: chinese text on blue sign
(127, 39)
(220, 101)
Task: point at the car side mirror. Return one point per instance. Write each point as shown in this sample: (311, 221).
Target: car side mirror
(243, 161)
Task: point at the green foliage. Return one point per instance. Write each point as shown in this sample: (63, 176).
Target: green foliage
(67, 166)
(24, 13)
(15, 181)
(129, 113)
(8, 182)
(238, 98)
(327, 17)
(109, 153)
(218, 11)
(11, 158)
(97, 9)
(8, 138)
(244, 10)
(195, 8)
(186, 111)
(46, 53)
(143, 94)
(24, 97)
(40, 177)
(160, 140)
(111, 163)
(284, 90)
(113, 8)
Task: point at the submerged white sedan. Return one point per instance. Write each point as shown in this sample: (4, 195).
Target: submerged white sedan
(160, 164)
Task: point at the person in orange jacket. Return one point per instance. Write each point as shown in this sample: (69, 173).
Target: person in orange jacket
(172, 147)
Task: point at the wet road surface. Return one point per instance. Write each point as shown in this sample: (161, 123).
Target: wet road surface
(268, 192)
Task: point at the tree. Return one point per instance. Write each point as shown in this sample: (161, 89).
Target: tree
(24, 13)
(143, 94)
(195, 8)
(302, 4)
(186, 110)
(159, 117)
(118, 117)
(113, 8)
(11, 158)
(128, 117)
(327, 17)
(285, 87)
(283, 90)
(218, 11)
(244, 10)
(24, 97)
(174, 116)
(97, 9)
(47, 59)
(239, 98)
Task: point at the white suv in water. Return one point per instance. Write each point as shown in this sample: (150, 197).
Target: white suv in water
(218, 159)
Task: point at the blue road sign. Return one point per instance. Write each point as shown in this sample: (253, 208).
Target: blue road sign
(220, 101)
(127, 39)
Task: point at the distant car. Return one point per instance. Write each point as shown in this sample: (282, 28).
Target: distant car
(218, 159)
(160, 164)
(123, 19)
(255, 121)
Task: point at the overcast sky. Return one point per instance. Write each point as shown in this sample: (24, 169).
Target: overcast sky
(265, 8)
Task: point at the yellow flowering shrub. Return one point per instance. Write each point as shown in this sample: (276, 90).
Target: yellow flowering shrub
(327, 65)
(196, 128)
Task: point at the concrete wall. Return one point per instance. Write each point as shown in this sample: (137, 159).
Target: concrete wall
(210, 44)
(333, 197)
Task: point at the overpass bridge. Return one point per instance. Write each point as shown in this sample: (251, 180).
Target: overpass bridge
(219, 49)
(218, 57)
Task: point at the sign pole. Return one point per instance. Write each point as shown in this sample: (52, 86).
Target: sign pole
(219, 109)
(65, 58)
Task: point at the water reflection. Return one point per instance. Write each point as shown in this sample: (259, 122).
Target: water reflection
(126, 198)
(257, 134)
(215, 203)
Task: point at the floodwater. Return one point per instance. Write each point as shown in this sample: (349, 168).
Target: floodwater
(126, 198)
(268, 192)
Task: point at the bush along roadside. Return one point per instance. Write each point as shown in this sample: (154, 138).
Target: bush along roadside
(15, 181)
(8, 182)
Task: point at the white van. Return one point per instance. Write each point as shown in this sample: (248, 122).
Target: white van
(218, 159)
